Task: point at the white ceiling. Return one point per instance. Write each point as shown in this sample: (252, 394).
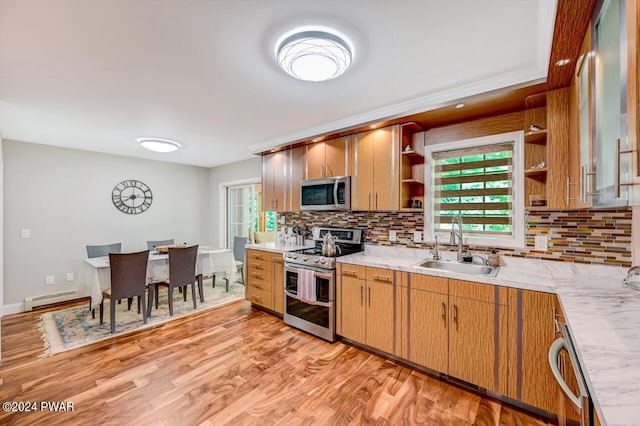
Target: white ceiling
(96, 74)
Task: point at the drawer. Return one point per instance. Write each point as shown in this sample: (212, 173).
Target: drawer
(262, 265)
(260, 297)
(260, 274)
(472, 290)
(353, 271)
(428, 283)
(381, 275)
(258, 255)
(260, 283)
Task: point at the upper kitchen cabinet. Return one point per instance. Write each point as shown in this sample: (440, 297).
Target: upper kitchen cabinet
(611, 172)
(546, 141)
(327, 159)
(580, 129)
(604, 108)
(296, 173)
(374, 185)
(282, 173)
(274, 181)
(411, 166)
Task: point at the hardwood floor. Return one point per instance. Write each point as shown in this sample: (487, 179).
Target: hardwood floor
(232, 365)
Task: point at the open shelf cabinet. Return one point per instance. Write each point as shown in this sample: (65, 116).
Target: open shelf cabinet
(411, 166)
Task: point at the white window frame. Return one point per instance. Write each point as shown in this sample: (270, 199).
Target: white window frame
(517, 239)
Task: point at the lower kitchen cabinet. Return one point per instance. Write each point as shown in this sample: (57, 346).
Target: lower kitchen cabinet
(353, 312)
(379, 323)
(278, 283)
(531, 333)
(428, 329)
(457, 328)
(472, 342)
(494, 337)
(427, 307)
(366, 311)
(264, 283)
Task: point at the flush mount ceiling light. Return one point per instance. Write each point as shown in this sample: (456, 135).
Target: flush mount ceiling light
(314, 53)
(159, 145)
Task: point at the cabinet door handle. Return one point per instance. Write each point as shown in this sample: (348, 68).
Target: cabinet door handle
(455, 314)
(444, 310)
(382, 278)
(369, 207)
(376, 201)
(369, 296)
(327, 172)
(361, 295)
(256, 297)
(349, 273)
(256, 284)
(322, 170)
(619, 152)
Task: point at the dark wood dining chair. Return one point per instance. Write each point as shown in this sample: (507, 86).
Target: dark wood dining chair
(128, 279)
(182, 272)
(99, 251)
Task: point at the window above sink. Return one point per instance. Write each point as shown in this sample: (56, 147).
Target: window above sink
(482, 180)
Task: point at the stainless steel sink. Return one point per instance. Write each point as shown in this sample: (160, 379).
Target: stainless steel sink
(461, 268)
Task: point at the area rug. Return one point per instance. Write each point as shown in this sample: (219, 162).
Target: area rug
(72, 328)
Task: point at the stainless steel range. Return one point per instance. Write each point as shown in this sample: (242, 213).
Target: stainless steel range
(310, 281)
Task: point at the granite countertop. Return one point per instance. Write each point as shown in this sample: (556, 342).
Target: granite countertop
(276, 248)
(603, 317)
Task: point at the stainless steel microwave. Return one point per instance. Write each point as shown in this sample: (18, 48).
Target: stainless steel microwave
(326, 194)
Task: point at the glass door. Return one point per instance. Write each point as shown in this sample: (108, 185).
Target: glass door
(611, 165)
(241, 212)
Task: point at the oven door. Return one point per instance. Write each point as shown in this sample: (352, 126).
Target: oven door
(317, 318)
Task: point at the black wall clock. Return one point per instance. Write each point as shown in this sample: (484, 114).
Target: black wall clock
(132, 196)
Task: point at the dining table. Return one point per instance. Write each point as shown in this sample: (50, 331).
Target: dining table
(211, 261)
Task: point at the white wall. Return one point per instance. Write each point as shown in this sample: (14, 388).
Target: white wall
(241, 171)
(64, 197)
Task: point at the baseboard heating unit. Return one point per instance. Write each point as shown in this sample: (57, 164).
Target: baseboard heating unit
(31, 303)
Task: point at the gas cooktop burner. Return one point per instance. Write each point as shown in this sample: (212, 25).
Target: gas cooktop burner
(348, 241)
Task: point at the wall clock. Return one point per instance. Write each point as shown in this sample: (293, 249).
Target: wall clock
(132, 196)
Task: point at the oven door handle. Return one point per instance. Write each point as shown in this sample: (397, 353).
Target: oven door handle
(319, 272)
(335, 193)
(308, 302)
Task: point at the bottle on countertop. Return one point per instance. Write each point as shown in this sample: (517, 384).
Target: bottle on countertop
(494, 258)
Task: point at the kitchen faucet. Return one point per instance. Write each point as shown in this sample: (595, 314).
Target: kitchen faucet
(457, 220)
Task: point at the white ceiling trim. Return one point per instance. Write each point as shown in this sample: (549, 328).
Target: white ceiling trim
(413, 106)
(546, 26)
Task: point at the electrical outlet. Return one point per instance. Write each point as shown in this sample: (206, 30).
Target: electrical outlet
(25, 233)
(70, 276)
(50, 279)
(392, 236)
(542, 243)
(417, 237)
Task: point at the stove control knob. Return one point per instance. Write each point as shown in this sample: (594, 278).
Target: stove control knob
(323, 261)
(316, 260)
(293, 256)
(305, 258)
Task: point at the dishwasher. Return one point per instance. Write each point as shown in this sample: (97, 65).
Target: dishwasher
(581, 399)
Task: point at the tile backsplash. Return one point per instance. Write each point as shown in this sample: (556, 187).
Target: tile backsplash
(584, 236)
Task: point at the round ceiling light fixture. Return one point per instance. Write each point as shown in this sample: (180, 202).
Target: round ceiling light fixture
(314, 53)
(159, 145)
